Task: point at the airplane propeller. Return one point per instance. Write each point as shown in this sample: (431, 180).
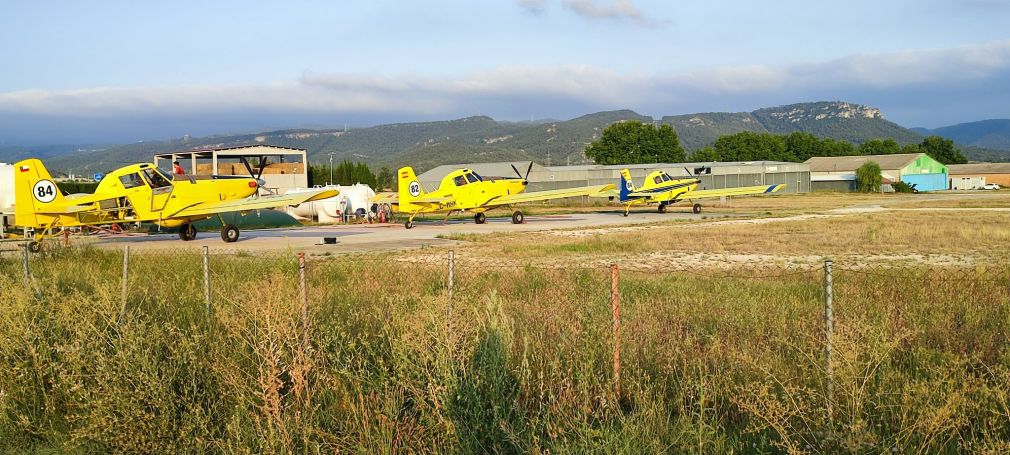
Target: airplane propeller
(258, 175)
(691, 174)
(523, 177)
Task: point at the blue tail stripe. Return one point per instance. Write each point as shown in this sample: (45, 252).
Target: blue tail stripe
(626, 188)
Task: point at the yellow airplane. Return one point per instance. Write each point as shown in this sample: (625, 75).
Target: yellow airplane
(660, 188)
(463, 190)
(138, 193)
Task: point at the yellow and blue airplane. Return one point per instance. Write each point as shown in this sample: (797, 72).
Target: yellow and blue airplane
(138, 193)
(660, 188)
(463, 190)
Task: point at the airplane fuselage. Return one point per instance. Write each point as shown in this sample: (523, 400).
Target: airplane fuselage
(139, 193)
(465, 190)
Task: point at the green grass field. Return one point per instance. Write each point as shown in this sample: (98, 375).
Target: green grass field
(520, 361)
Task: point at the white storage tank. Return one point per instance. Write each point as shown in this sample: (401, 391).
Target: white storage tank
(6, 195)
(330, 210)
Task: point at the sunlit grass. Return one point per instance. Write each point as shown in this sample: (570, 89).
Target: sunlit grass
(519, 361)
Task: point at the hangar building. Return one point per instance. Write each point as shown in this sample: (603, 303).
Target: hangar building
(838, 173)
(978, 174)
(796, 176)
(286, 168)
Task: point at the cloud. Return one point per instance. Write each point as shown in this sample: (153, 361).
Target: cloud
(922, 86)
(619, 10)
(532, 6)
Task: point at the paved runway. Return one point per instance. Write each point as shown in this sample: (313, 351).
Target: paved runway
(384, 237)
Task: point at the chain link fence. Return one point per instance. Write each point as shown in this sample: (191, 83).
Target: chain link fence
(423, 346)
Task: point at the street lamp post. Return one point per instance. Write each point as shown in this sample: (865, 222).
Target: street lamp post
(331, 168)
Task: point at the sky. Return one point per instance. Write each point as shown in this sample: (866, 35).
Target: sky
(108, 71)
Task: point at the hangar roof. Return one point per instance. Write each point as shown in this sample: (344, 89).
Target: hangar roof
(979, 168)
(242, 150)
(851, 163)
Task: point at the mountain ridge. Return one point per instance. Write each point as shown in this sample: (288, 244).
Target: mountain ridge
(990, 133)
(482, 138)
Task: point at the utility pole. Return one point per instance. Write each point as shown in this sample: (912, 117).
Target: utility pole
(331, 162)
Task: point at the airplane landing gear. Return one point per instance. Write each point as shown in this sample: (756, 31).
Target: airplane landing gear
(408, 224)
(662, 207)
(187, 232)
(229, 233)
(479, 218)
(34, 246)
(696, 209)
(517, 217)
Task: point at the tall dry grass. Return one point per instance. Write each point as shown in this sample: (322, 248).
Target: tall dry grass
(518, 362)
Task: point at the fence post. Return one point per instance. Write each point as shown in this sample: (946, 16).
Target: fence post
(126, 280)
(452, 270)
(829, 329)
(304, 299)
(206, 277)
(28, 271)
(615, 304)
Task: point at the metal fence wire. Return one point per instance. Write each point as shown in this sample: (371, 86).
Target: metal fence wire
(806, 348)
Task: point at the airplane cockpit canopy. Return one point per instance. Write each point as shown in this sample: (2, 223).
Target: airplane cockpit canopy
(156, 178)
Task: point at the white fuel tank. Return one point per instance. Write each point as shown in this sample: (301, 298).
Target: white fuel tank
(6, 194)
(330, 210)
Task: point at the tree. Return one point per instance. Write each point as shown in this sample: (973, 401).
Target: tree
(868, 178)
(879, 147)
(802, 146)
(632, 142)
(385, 179)
(706, 153)
(751, 146)
(833, 147)
(345, 173)
(942, 150)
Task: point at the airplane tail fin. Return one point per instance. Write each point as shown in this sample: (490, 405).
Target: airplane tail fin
(408, 188)
(627, 185)
(34, 190)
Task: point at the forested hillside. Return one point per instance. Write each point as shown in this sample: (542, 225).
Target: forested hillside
(989, 134)
(476, 139)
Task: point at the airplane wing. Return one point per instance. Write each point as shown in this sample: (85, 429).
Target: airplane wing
(633, 195)
(429, 200)
(262, 202)
(759, 189)
(592, 191)
(385, 198)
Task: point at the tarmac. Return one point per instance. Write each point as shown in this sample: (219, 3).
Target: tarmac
(388, 236)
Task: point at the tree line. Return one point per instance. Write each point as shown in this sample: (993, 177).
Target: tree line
(634, 142)
(349, 173)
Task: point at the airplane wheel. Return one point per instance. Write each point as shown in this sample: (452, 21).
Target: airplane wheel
(696, 209)
(625, 213)
(229, 233)
(479, 218)
(187, 232)
(408, 224)
(34, 246)
(517, 217)
(662, 208)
